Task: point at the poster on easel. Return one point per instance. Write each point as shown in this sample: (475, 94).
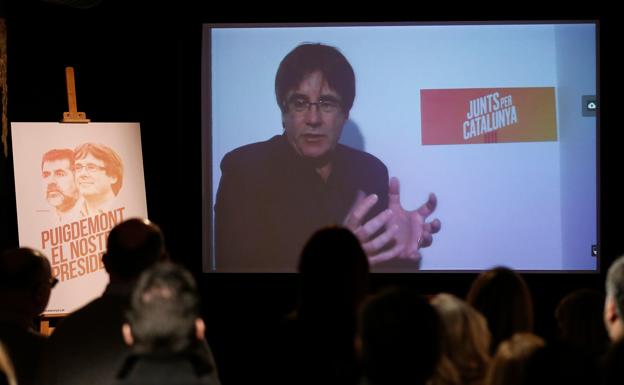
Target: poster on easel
(73, 184)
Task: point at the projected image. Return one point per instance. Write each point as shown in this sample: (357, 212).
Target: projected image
(455, 147)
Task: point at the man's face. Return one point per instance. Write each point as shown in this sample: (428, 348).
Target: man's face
(91, 177)
(59, 183)
(313, 130)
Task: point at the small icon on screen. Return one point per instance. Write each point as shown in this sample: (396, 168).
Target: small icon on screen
(590, 105)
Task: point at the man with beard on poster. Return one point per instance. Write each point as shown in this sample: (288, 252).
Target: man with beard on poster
(57, 170)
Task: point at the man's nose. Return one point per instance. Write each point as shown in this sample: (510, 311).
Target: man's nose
(313, 115)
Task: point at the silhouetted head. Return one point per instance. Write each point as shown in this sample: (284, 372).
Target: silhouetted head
(466, 337)
(133, 246)
(512, 359)
(334, 272)
(25, 281)
(164, 311)
(400, 338)
(502, 296)
(579, 318)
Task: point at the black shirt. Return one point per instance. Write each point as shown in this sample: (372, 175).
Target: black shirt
(271, 200)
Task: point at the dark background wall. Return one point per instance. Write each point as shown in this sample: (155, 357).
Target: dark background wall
(141, 63)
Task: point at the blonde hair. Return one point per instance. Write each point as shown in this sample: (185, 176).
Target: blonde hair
(510, 362)
(466, 337)
(445, 373)
(6, 366)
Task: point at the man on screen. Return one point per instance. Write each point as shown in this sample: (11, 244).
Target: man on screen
(57, 170)
(99, 176)
(273, 195)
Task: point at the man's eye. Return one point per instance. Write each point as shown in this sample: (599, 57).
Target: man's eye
(46, 174)
(299, 103)
(60, 173)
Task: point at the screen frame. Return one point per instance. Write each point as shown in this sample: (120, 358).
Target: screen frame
(208, 261)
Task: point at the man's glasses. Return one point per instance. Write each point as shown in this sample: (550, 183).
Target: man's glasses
(324, 105)
(89, 167)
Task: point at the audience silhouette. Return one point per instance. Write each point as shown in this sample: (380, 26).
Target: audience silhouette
(25, 286)
(87, 346)
(317, 338)
(399, 338)
(502, 296)
(465, 342)
(165, 331)
(509, 365)
(580, 324)
(146, 327)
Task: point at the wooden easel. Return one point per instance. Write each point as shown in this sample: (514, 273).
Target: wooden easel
(47, 322)
(72, 116)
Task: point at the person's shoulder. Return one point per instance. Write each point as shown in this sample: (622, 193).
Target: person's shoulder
(253, 153)
(11, 334)
(101, 309)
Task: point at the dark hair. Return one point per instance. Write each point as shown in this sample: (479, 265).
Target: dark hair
(58, 154)
(401, 338)
(163, 309)
(112, 162)
(334, 272)
(23, 269)
(502, 296)
(579, 318)
(308, 58)
(133, 246)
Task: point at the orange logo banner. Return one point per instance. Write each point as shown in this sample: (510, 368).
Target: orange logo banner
(488, 115)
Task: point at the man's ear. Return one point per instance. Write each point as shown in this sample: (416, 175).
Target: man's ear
(611, 314)
(126, 331)
(200, 328)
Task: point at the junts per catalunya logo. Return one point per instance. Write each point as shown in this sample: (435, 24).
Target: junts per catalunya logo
(488, 115)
